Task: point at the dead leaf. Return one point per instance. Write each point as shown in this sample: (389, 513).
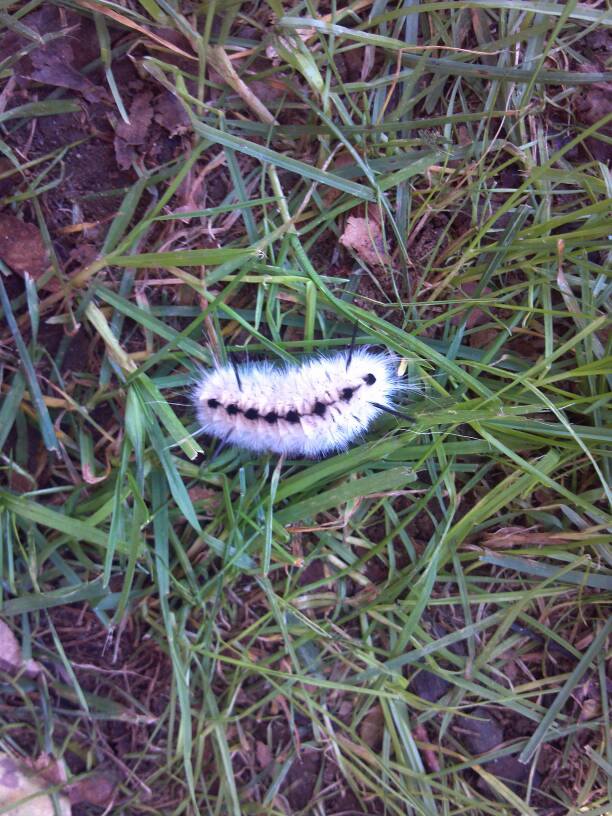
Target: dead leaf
(170, 114)
(52, 65)
(590, 104)
(128, 23)
(593, 104)
(478, 730)
(223, 66)
(270, 91)
(507, 537)
(476, 316)
(21, 246)
(90, 477)
(263, 754)
(483, 338)
(590, 708)
(5, 95)
(134, 133)
(429, 755)
(463, 136)
(372, 727)
(124, 153)
(205, 495)
(141, 113)
(11, 659)
(97, 789)
(364, 237)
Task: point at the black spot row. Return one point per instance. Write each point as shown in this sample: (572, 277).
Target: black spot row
(291, 416)
(252, 413)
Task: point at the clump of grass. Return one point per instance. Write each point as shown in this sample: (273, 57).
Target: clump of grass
(240, 634)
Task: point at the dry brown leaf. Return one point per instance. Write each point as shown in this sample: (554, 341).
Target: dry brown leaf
(141, 113)
(97, 789)
(364, 237)
(263, 754)
(476, 316)
(429, 755)
(90, 477)
(171, 114)
(52, 65)
(589, 709)
(21, 246)
(134, 133)
(507, 537)
(372, 727)
(483, 338)
(128, 23)
(223, 66)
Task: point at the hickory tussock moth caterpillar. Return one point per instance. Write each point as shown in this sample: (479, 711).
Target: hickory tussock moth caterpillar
(312, 409)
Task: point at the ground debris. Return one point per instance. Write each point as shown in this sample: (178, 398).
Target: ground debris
(21, 246)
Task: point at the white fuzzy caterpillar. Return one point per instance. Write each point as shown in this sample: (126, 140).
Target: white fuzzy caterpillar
(312, 409)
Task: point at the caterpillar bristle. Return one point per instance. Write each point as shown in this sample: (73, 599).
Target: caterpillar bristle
(311, 410)
(352, 346)
(393, 411)
(232, 360)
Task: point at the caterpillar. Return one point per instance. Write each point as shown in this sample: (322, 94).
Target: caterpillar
(308, 410)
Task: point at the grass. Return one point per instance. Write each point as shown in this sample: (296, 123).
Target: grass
(244, 635)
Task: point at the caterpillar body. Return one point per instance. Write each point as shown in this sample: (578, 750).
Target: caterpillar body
(309, 410)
